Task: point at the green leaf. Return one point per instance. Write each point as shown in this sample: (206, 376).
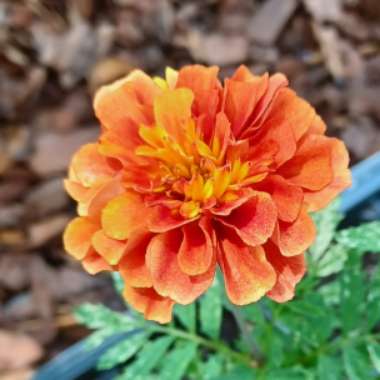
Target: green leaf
(296, 373)
(177, 361)
(239, 373)
(373, 301)
(326, 222)
(211, 310)
(332, 261)
(117, 282)
(356, 365)
(186, 315)
(364, 238)
(147, 359)
(122, 351)
(212, 368)
(96, 316)
(374, 354)
(329, 368)
(330, 292)
(352, 299)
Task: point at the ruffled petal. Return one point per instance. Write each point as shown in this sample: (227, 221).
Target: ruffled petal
(294, 238)
(287, 197)
(127, 101)
(152, 305)
(247, 273)
(341, 181)
(168, 279)
(289, 271)
(312, 166)
(93, 263)
(124, 215)
(90, 167)
(254, 220)
(77, 236)
(132, 266)
(196, 251)
(110, 249)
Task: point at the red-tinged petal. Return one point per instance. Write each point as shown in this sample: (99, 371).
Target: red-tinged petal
(341, 181)
(162, 219)
(168, 279)
(77, 236)
(196, 251)
(317, 127)
(289, 109)
(90, 167)
(294, 238)
(147, 301)
(172, 111)
(93, 263)
(203, 82)
(289, 271)
(132, 266)
(247, 273)
(110, 249)
(287, 197)
(240, 99)
(312, 166)
(221, 135)
(254, 220)
(126, 100)
(225, 208)
(124, 215)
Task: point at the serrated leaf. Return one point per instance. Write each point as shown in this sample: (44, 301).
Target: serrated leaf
(352, 299)
(96, 316)
(186, 315)
(332, 261)
(147, 359)
(211, 309)
(329, 368)
(374, 354)
(177, 361)
(326, 222)
(122, 351)
(212, 368)
(364, 238)
(356, 365)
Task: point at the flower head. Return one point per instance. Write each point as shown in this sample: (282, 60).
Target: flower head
(188, 174)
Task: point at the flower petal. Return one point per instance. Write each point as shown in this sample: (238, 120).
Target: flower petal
(289, 270)
(254, 220)
(147, 301)
(294, 238)
(93, 263)
(110, 249)
(287, 197)
(77, 236)
(168, 279)
(90, 167)
(196, 251)
(313, 156)
(342, 179)
(124, 215)
(127, 100)
(132, 266)
(247, 273)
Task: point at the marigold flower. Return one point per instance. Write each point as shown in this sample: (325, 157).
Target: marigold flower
(188, 174)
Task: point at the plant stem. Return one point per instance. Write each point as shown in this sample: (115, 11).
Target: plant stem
(213, 345)
(246, 334)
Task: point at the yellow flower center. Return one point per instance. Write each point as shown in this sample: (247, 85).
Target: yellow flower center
(193, 171)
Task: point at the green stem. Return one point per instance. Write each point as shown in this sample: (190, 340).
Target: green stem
(245, 332)
(213, 345)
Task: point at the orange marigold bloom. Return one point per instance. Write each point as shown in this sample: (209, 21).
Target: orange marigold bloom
(188, 174)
